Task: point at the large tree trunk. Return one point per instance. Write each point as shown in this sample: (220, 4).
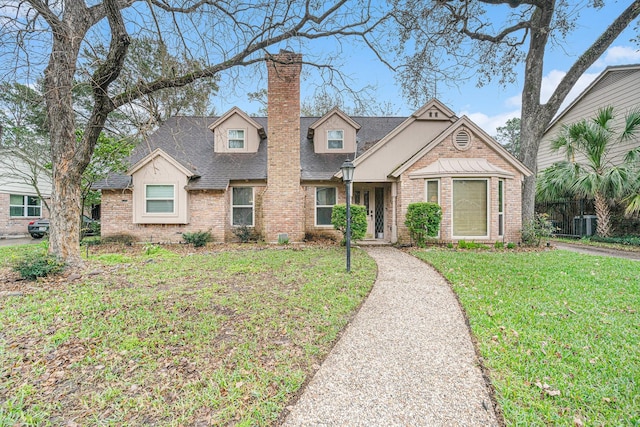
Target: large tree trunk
(64, 233)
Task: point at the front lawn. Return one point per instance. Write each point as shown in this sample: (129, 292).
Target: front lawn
(558, 331)
(156, 336)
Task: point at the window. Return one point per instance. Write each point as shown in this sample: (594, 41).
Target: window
(470, 208)
(242, 206)
(20, 205)
(335, 139)
(159, 199)
(433, 195)
(235, 138)
(325, 199)
(501, 207)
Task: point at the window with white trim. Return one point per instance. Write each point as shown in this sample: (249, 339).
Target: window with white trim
(335, 139)
(325, 200)
(501, 207)
(470, 208)
(25, 206)
(235, 138)
(159, 198)
(242, 206)
(432, 190)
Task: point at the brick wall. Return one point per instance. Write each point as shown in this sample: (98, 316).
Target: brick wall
(208, 212)
(13, 226)
(412, 190)
(283, 201)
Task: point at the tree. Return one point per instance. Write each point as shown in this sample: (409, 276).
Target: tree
(509, 136)
(24, 146)
(595, 176)
(218, 36)
(147, 59)
(446, 40)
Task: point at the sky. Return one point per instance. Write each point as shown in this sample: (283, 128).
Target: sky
(490, 106)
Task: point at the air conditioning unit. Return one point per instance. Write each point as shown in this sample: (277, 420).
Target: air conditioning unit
(587, 227)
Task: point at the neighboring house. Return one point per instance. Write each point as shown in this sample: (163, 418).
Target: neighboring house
(618, 86)
(19, 201)
(281, 174)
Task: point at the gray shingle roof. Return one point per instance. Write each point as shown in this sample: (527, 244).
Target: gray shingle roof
(190, 142)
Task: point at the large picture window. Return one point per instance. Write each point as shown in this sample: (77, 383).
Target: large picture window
(325, 199)
(235, 138)
(335, 139)
(242, 206)
(470, 208)
(25, 206)
(159, 199)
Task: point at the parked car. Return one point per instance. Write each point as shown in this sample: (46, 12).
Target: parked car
(39, 227)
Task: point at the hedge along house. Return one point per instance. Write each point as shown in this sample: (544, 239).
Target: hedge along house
(281, 175)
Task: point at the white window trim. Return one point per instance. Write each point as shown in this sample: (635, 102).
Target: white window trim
(315, 211)
(486, 180)
(501, 214)
(160, 213)
(426, 192)
(244, 139)
(333, 139)
(252, 206)
(25, 206)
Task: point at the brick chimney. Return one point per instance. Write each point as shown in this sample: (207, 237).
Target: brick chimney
(283, 202)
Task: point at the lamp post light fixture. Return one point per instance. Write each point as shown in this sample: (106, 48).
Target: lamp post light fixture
(347, 169)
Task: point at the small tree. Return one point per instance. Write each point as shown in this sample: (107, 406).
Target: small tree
(423, 220)
(358, 221)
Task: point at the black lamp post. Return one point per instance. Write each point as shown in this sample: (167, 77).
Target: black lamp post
(347, 176)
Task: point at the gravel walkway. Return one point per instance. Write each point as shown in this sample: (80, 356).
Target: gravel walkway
(405, 360)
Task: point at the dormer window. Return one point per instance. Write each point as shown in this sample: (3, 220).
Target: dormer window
(335, 139)
(235, 138)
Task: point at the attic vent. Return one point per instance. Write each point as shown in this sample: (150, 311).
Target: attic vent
(462, 140)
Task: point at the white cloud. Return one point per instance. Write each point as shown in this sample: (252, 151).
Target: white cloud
(490, 123)
(619, 55)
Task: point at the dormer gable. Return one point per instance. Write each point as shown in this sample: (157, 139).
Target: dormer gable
(153, 156)
(436, 111)
(236, 132)
(334, 133)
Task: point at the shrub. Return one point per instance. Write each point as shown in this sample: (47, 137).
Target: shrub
(358, 221)
(623, 240)
(423, 221)
(511, 245)
(197, 238)
(38, 264)
(498, 245)
(463, 244)
(246, 234)
(538, 228)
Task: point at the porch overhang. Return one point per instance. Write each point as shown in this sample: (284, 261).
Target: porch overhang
(454, 167)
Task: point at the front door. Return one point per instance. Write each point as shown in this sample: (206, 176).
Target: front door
(372, 198)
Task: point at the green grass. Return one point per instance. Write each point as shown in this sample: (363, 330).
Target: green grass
(559, 332)
(174, 338)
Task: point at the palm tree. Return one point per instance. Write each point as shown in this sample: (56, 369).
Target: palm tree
(588, 171)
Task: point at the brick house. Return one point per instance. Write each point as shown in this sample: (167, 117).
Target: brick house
(281, 174)
(19, 201)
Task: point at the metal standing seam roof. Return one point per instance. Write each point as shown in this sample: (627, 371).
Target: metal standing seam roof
(461, 167)
(190, 142)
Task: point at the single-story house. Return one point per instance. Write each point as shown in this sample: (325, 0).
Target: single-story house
(281, 174)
